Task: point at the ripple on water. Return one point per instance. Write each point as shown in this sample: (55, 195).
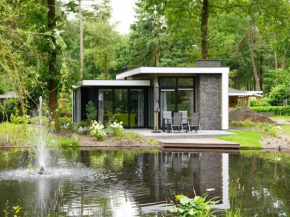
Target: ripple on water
(58, 173)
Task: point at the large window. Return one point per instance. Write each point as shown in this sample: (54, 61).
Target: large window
(185, 100)
(177, 94)
(136, 108)
(121, 106)
(105, 108)
(126, 105)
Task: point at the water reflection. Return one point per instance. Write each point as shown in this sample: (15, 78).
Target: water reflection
(131, 183)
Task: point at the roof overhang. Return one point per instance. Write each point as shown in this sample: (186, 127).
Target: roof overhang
(173, 70)
(234, 92)
(111, 83)
(239, 94)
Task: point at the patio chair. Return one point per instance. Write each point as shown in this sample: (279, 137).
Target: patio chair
(184, 119)
(167, 118)
(194, 122)
(177, 122)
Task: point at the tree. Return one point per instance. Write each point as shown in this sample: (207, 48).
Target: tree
(52, 64)
(154, 43)
(101, 42)
(19, 33)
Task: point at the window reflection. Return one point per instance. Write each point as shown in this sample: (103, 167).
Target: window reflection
(105, 108)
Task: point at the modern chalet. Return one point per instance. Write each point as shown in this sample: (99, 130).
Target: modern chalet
(130, 98)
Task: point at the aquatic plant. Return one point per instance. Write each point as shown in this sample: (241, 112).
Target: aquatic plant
(97, 130)
(14, 210)
(236, 195)
(195, 207)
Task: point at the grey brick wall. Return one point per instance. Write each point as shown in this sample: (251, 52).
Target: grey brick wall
(209, 101)
(208, 63)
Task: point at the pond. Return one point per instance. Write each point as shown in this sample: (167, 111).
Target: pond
(140, 183)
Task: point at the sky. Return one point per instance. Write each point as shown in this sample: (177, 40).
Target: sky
(123, 11)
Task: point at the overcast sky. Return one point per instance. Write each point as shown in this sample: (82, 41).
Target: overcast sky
(123, 11)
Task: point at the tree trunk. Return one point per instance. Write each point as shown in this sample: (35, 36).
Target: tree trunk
(283, 59)
(261, 71)
(52, 70)
(157, 55)
(253, 61)
(203, 28)
(81, 42)
(106, 66)
(275, 53)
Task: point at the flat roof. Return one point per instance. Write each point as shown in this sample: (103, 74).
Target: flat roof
(173, 70)
(234, 92)
(115, 83)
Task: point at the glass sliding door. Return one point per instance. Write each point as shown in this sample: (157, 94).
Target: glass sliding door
(167, 101)
(121, 106)
(105, 107)
(136, 108)
(185, 100)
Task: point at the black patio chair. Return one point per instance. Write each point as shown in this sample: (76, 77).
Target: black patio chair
(177, 122)
(194, 122)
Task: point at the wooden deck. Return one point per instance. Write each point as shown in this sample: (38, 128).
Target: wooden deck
(198, 143)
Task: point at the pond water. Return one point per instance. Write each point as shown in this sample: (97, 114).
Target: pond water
(140, 183)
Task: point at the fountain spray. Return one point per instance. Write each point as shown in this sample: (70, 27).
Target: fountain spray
(41, 141)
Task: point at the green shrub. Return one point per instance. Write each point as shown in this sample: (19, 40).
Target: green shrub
(240, 106)
(278, 94)
(65, 121)
(266, 101)
(97, 130)
(255, 102)
(91, 112)
(277, 110)
(115, 128)
(64, 142)
(84, 124)
(6, 109)
(14, 119)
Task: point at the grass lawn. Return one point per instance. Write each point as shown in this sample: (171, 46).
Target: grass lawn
(280, 118)
(18, 135)
(246, 139)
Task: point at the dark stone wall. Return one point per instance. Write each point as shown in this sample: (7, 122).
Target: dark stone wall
(208, 63)
(209, 101)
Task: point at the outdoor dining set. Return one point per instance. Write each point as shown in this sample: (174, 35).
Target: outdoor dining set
(180, 122)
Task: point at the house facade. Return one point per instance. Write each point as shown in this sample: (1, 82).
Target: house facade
(130, 98)
(240, 97)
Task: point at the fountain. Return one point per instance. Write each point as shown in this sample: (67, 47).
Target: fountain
(51, 169)
(41, 141)
(49, 165)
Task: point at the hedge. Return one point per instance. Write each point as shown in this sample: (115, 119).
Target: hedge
(277, 110)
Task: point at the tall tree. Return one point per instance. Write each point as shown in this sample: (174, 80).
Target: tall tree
(101, 43)
(203, 28)
(52, 64)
